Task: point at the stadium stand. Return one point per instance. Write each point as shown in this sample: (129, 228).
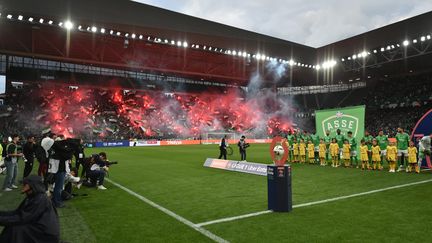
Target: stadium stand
(110, 114)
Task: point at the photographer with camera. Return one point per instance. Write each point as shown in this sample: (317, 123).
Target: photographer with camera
(242, 147)
(98, 168)
(59, 165)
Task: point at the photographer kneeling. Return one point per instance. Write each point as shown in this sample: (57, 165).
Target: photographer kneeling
(96, 171)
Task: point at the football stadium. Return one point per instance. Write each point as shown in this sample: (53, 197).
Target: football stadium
(125, 122)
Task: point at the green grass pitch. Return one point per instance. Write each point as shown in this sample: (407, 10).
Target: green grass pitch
(174, 178)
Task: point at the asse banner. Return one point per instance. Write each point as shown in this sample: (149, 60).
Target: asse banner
(346, 119)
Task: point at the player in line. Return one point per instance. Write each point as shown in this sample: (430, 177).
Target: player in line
(412, 159)
(322, 152)
(311, 152)
(364, 155)
(353, 149)
(376, 155)
(392, 156)
(302, 151)
(402, 140)
(346, 155)
(424, 149)
(334, 152)
(382, 142)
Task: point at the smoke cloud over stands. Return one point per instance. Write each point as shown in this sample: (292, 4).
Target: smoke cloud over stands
(114, 113)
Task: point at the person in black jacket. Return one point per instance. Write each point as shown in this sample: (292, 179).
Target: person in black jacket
(29, 155)
(242, 148)
(35, 220)
(223, 148)
(79, 158)
(59, 165)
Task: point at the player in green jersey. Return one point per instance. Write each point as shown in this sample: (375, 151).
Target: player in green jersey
(382, 143)
(290, 138)
(327, 141)
(340, 141)
(368, 141)
(316, 141)
(353, 142)
(402, 140)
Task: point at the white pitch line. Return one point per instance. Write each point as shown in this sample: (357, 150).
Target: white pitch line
(233, 218)
(171, 213)
(312, 203)
(361, 194)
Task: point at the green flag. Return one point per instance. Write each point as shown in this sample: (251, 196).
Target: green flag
(346, 119)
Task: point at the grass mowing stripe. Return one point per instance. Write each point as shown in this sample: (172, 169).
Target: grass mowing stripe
(313, 203)
(170, 213)
(362, 193)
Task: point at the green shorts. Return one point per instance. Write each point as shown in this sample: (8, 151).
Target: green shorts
(421, 155)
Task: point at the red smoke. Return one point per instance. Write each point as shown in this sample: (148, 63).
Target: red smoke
(157, 114)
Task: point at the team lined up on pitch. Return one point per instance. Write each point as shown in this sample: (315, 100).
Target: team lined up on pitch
(374, 151)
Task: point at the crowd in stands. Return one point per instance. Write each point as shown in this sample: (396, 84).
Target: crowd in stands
(390, 103)
(101, 114)
(96, 114)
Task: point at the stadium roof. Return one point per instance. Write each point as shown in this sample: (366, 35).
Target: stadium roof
(127, 18)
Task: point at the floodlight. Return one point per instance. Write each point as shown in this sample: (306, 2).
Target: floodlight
(68, 25)
(405, 42)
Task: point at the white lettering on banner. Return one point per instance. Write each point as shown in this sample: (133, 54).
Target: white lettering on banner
(174, 142)
(239, 166)
(140, 143)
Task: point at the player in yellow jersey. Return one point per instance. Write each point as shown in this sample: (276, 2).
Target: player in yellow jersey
(364, 155)
(376, 155)
(289, 151)
(311, 152)
(392, 156)
(412, 158)
(295, 151)
(322, 151)
(346, 153)
(302, 151)
(334, 152)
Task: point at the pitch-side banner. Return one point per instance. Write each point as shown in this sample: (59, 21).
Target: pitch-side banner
(346, 119)
(239, 166)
